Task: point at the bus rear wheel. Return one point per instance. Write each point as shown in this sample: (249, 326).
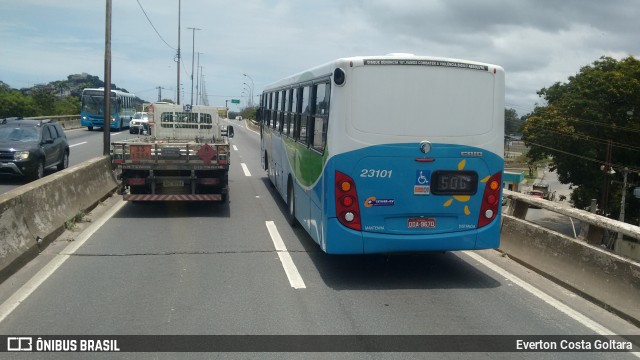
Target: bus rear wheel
(90, 128)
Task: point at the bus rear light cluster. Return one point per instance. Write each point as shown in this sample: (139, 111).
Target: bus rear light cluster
(347, 208)
(490, 200)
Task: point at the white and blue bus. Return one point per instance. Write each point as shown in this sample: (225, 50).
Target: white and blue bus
(123, 106)
(394, 153)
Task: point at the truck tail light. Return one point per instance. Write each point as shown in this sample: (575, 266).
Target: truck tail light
(223, 158)
(209, 181)
(136, 181)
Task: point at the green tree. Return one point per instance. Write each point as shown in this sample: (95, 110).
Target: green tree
(69, 105)
(45, 101)
(512, 123)
(14, 103)
(597, 106)
(248, 113)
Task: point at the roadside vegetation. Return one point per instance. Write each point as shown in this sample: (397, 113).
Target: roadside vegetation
(589, 129)
(55, 98)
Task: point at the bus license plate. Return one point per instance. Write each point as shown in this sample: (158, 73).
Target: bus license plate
(421, 223)
(173, 183)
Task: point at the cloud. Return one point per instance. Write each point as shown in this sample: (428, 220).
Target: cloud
(537, 42)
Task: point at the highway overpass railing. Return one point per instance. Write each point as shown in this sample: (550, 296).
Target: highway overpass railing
(583, 262)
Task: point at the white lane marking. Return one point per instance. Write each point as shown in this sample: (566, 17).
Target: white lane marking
(246, 126)
(601, 330)
(235, 148)
(285, 258)
(27, 289)
(84, 142)
(245, 169)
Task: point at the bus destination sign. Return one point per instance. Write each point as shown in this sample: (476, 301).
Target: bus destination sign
(427, 63)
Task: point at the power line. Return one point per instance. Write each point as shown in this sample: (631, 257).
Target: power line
(519, 107)
(591, 138)
(613, 165)
(610, 126)
(614, 127)
(154, 28)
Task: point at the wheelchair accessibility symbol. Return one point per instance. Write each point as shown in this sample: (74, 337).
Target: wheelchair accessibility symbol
(422, 184)
(422, 177)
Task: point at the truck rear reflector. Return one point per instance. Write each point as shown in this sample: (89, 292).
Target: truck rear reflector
(209, 197)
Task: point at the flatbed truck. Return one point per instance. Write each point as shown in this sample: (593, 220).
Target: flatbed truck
(185, 156)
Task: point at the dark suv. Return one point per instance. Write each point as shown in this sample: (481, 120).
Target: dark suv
(27, 147)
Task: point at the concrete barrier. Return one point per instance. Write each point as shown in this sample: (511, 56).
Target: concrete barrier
(66, 121)
(608, 279)
(70, 124)
(37, 212)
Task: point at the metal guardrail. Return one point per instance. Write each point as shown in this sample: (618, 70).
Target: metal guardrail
(519, 205)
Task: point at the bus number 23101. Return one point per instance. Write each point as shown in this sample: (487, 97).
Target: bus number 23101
(375, 173)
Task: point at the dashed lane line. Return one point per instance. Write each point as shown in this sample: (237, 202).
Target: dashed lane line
(285, 258)
(245, 169)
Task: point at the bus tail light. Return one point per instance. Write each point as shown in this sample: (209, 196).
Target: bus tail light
(347, 208)
(490, 200)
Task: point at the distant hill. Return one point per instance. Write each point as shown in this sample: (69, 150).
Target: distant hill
(71, 87)
(55, 98)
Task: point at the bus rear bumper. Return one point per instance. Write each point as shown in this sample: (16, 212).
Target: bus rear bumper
(341, 240)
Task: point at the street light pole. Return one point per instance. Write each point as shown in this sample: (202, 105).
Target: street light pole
(106, 122)
(193, 53)
(198, 67)
(247, 88)
(252, 87)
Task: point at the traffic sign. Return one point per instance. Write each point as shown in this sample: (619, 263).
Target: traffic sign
(235, 101)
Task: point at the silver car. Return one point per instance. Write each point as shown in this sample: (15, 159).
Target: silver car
(139, 123)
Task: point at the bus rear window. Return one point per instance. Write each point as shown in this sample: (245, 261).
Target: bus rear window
(393, 101)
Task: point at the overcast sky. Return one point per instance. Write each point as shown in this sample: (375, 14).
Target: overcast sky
(538, 42)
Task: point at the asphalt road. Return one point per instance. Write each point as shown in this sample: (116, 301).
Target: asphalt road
(213, 269)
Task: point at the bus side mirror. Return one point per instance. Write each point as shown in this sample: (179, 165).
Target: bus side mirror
(230, 131)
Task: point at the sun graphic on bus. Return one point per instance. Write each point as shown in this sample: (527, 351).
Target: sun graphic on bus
(463, 198)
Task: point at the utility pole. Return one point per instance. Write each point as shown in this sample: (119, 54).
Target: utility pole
(193, 53)
(159, 93)
(178, 57)
(605, 186)
(623, 201)
(106, 123)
